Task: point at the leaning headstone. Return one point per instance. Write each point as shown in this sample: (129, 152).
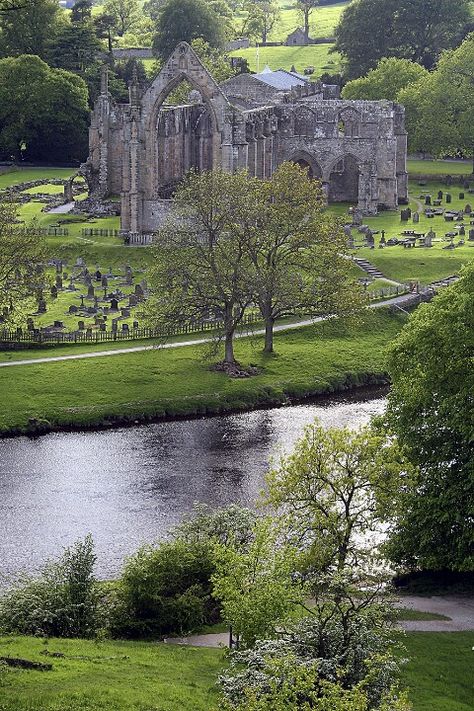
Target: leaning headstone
(429, 237)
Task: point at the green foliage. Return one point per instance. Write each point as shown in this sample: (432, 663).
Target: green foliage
(430, 410)
(185, 21)
(232, 526)
(62, 602)
(126, 14)
(412, 29)
(29, 27)
(43, 111)
(260, 16)
(75, 48)
(317, 664)
(447, 94)
(385, 81)
(164, 589)
(255, 585)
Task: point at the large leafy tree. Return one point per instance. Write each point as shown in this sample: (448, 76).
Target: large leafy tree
(43, 111)
(418, 30)
(201, 266)
(430, 408)
(75, 48)
(28, 27)
(297, 251)
(386, 81)
(126, 14)
(21, 250)
(305, 9)
(440, 105)
(260, 16)
(185, 21)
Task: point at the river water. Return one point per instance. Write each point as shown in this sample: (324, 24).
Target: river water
(129, 486)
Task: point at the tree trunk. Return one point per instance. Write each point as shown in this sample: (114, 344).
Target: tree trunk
(229, 347)
(306, 23)
(269, 324)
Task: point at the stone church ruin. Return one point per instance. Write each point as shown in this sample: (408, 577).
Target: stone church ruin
(141, 150)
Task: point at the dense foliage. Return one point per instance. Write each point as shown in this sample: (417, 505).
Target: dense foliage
(165, 589)
(418, 30)
(43, 112)
(430, 408)
(185, 21)
(386, 81)
(62, 602)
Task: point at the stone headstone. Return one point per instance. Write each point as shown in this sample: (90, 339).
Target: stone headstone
(462, 230)
(104, 281)
(114, 325)
(449, 198)
(416, 217)
(468, 209)
(102, 326)
(98, 275)
(80, 325)
(114, 304)
(58, 324)
(30, 324)
(135, 324)
(429, 237)
(42, 306)
(54, 292)
(73, 309)
(440, 194)
(428, 200)
(471, 235)
(461, 196)
(132, 300)
(59, 281)
(125, 327)
(125, 313)
(138, 291)
(90, 292)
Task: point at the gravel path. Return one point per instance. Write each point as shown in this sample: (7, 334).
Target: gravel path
(396, 301)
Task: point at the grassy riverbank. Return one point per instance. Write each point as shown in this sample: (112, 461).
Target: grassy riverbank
(138, 676)
(117, 389)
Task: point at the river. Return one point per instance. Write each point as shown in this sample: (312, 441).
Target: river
(129, 486)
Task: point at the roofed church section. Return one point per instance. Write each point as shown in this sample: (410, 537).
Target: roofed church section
(142, 149)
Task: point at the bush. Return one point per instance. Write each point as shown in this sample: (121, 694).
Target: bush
(165, 589)
(62, 602)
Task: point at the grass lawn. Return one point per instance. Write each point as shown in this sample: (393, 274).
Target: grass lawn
(24, 175)
(407, 614)
(112, 676)
(440, 671)
(440, 167)
(316, 55)
(311, 360)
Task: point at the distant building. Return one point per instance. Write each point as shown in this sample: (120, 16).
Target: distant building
(298, 38)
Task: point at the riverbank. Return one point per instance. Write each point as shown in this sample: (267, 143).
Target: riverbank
(157, 385)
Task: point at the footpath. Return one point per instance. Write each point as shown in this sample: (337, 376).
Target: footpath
(397, 302)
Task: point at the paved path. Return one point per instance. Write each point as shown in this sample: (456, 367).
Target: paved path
(459, 609)
(396, 301)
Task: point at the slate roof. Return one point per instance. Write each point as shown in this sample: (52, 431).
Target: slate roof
(281, 79)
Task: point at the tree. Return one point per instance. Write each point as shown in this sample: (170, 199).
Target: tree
(305, 8)
(297, 251)
(29, 27)
(104, 25)
(386, 81)
(412, 29)
(254, 585)
(21, 250)
(75, 48)
(81, 12)
(260, 18)
(447, 94)
(185, 21)
(430, 410)
(43, 112)
(200, 263)
(126, 14)
(63, 601)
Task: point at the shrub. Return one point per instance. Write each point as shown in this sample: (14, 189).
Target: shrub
(62, 602)
(165, 589)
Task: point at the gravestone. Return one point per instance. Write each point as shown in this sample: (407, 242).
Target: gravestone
(104, 281)
(54, 292)
(428, 200)
(132, 300)
(440, 194)
(471, 235)
(90, 292)
(468, 209)
(98, 275)
(30, 324)
(462, 230)
(125, 328)
(73, 309)
(135, 324)
(461, 196)
(42, 306)
(58, 324)
(416, 217)
(128, 275)
(59, 281)
(80, 325)
(114, 304)
(102, 326)
(114, 325)
(139, 292)
(429, 237)
(125, 313)
(448, 198)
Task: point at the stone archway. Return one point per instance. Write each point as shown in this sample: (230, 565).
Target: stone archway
(306, 161)
(344, 180)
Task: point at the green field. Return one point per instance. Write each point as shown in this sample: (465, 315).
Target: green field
(135, 676)
(311, 360)
(110, 676)
(440, 167)
(316, 55)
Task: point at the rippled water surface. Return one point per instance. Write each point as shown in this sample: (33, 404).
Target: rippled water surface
(128, 486)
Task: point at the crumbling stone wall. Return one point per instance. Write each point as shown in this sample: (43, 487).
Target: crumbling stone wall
(142, 149)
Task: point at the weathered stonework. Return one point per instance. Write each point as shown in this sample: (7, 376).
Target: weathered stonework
(142, 149)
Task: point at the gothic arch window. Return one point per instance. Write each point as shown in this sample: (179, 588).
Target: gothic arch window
(348, 123)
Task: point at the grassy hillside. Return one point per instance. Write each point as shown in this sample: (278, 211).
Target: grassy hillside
(316, 55)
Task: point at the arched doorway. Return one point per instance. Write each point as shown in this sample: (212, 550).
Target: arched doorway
(344, 180)
(309, 164)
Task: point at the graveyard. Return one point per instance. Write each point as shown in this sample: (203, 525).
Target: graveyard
(95, 284)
